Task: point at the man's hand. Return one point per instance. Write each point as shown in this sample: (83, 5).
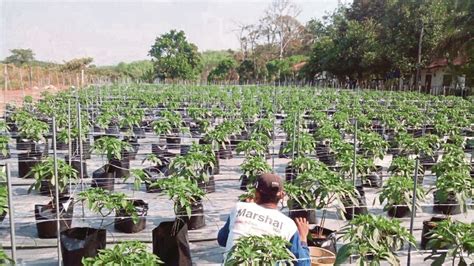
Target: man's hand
(303, 228)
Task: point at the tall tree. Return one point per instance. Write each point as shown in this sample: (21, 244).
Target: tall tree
(279, 26)
(224, 71)
(20, 57)
(77, 64)
(174, 57)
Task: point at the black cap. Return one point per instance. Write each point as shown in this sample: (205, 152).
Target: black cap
(269, 184)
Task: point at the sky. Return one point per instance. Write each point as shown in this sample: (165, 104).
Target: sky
(123, 31)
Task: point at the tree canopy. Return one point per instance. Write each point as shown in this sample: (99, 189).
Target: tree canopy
(20, 57)
(174, 57)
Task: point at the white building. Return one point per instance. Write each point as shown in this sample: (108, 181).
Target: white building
(438, 79)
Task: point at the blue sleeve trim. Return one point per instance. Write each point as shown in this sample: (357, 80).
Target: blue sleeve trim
(223, 234)
(300, 250)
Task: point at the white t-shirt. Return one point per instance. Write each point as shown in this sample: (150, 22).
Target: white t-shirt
(251, 219)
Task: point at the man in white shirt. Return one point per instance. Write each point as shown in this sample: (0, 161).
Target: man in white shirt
(262, 217)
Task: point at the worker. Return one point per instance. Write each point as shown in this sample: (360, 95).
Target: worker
(261, 217)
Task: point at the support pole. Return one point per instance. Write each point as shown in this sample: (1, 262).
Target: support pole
(274, 131)
(79, 142)
(11, 213)
(56, 188)
(413, 209)
(69, 137)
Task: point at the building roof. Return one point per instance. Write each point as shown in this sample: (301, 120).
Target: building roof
(442, 62)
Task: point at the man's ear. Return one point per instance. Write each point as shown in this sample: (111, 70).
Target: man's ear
(281, 195)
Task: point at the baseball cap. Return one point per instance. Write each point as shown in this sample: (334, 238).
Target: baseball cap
(268, 183)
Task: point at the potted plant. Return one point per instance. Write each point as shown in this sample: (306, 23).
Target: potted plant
(45, 183)
(301, 197)
(192, 167)
(302, 164)
(457, 237)
(251, 168)
(130, 214)
(331, 189)
(219, 140)
(118, 163)
(31, 132)
(398, 194)
(187, 198)
(161, 127)
(454, 184)
(372, 145)
(124, 253)
(366, 171)
(404, 166)
(80, 242)
(373, 239)
(176, 123)
(46, 215)
(252, 147)
(303, 144)
(259, 250)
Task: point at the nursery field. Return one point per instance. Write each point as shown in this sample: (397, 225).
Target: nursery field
(383, 177)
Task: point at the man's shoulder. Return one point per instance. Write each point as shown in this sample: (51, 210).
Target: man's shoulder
(246, 208)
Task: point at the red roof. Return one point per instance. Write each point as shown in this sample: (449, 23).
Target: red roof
(442, 62)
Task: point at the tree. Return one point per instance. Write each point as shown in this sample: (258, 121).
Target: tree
(20, 57)
(210, 59)
(76, 64)
(174, 57)
(348, 49)
(137, 70)
(280, 26)
(224, 71)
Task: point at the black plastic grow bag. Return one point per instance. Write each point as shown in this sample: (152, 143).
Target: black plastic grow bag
(171, 243)
(80, 242)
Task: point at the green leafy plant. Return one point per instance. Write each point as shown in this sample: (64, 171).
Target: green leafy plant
(3, 192)
(251, 147)
(112, 147)
(259, 250)
(254, 166)
(264, 126)
(33, 129)
(218, 137)
(303, 144)
(191, 166)
(301, 191)
(398, 191)
(105, 202)
(4, 145)
(126, 253)
(374, 237)
(404, 166)
(45, 171)
(4, 258)
(161, 127)
(182, 191)
(372, 145)
(458, 237)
